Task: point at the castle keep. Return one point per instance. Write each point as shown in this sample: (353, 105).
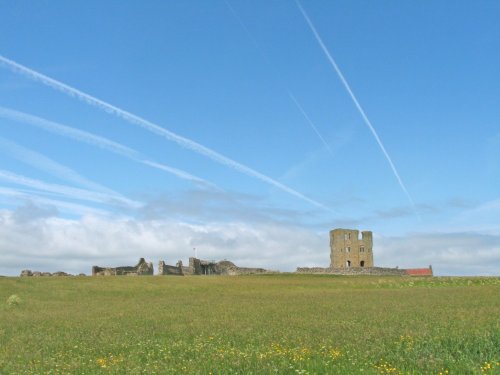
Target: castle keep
(348, 250)
(353, 255)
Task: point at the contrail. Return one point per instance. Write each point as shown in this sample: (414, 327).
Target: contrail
(67, 131)
(46, 164)
(71, 208)
(66, 191)
(245, 29)
(154, 128)
(266, 59)
(98, 141)
(353, 97)
(179, 173)
(311, 124)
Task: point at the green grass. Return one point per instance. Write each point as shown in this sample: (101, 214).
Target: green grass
(283, 324)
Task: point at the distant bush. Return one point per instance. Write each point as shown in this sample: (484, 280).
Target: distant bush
(14, 300)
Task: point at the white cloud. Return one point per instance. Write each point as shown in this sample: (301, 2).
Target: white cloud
(49, 243)
(67, 191)
(33, 237)
(454, 253)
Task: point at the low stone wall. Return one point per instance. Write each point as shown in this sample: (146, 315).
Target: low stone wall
(313, 270)
(250, 271)
(376, 271)
(29, 273)
(226, 267)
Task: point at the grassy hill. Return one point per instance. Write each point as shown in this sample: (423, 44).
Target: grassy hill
(272, 324)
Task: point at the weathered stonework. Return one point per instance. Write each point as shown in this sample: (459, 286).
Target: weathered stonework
(207, 267)
(351, 255)
(141, 268)
(374, 271)
(226, 267)
(377, 271)
(25, 273)
(165, 269)
(29, 273)
(348, 250)
(200, 267)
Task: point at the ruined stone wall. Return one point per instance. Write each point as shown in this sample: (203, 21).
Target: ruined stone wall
(348, 250)
(226, 267)
(195, 266)
(202, 267)
(165, 269)
(223, 267)
(29, 273)
(376, 271)
(141, 268)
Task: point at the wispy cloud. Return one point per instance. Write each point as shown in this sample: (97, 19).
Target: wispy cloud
(156, 129)
(68, 191)
(98, 141)
(42, 162)
(482, 217)
(31, 197)
(355, 100)
(209, 205)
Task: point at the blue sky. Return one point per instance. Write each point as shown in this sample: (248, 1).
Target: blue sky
(223, 126)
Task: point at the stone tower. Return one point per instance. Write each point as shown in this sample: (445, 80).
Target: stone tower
(348, 250)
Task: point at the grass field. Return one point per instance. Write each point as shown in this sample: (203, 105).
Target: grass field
(283, 324)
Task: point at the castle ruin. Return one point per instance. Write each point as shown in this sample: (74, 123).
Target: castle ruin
(165, 269)
(352, 255)
(211, 267)
(348, 250)
(196, 267)
(141, 268)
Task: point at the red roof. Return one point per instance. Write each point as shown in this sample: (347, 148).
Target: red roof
(419, 271)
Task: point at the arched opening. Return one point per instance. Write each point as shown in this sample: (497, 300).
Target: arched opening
(348, 264)
(362, 263)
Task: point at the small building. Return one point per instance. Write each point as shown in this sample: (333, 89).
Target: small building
(348, 250)
(419, 271)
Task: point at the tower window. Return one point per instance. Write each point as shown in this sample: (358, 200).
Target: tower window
(362, 249)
